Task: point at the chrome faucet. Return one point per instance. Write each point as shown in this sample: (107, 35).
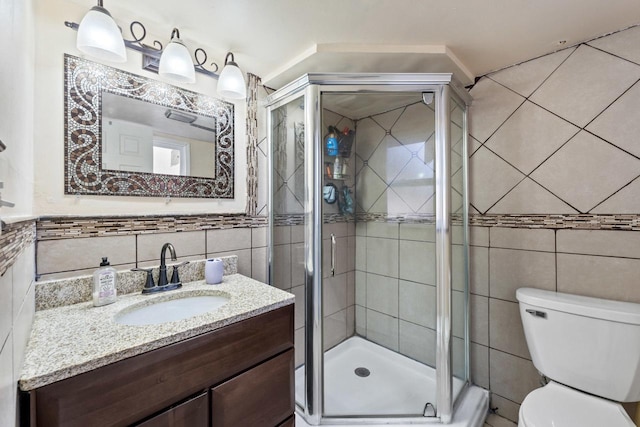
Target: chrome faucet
(162, 278)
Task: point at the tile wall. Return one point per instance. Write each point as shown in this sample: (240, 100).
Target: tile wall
(554, 135)
(17, 307)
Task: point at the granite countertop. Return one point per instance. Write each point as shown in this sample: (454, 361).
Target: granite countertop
(70, 340)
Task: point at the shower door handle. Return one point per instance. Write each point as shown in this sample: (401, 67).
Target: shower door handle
(333, 254)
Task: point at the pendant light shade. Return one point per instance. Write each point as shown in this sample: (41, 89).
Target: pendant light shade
(231, 81)
(100, 37)
(176, 62)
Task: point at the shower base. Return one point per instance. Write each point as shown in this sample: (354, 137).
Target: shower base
(366, 379)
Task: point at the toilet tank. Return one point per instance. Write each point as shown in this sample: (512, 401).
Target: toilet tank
(586, 343)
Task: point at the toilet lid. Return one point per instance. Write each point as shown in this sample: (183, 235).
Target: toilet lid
(560, 406)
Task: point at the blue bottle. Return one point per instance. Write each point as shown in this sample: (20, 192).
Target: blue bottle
(331, 142)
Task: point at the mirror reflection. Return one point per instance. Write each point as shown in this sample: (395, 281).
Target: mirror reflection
(139, 136)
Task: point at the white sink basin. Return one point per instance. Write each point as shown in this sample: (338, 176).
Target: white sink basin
(181, 306)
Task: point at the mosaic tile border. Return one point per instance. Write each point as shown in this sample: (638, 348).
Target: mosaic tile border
(84, 82)
(14, 239)
(51, 228)
(252, 144)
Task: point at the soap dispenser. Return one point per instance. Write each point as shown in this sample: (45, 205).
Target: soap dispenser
(104, 284)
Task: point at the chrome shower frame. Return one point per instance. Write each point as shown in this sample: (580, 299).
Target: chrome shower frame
(311, 87)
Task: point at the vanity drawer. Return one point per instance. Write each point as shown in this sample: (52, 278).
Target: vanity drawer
(262, 396)
(130, 390)
(192, 413)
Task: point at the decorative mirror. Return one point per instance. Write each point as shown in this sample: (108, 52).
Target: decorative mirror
(127, 135)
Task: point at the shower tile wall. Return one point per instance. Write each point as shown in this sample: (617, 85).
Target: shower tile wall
(554, 135)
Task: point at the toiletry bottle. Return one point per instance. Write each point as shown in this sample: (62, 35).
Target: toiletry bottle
(331, 142)
(337, 168)
(104, 284)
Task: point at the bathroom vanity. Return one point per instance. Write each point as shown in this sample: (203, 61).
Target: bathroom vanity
(230, 367)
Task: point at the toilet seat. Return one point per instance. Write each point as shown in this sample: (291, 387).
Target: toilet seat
(560, 406)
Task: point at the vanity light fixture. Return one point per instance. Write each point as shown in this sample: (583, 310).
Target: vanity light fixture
(231, 82)
(175, 64)
(99, 36)
(175, 61)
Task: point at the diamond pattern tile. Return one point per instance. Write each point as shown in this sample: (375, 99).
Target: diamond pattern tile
(586, 170)
(529, 136)
(620, 123)
(415, 184)
(388, 119)
(625, 201)
(530, 198)
(577, 90)
(623, 44)
(425, 152)
(492, 105)
(415, 125)
(526, 77)
(490, 178)
(389, 159)
(391, 203)
(369, 187)
(368, 136)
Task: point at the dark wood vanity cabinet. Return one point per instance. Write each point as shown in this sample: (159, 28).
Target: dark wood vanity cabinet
(239, 375)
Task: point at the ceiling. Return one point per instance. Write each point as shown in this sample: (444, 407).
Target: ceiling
(478, 35)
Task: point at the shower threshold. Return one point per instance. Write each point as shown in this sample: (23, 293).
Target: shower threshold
(365, 379)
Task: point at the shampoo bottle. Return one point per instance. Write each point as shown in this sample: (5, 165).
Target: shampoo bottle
(331, 142)
(104, 284)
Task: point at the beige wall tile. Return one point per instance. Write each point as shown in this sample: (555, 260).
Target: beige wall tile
(625, 201)
(418, 342)
(512, 376)
(299, 346)
(600, 242)
(479, 319)
(361, 320)
(457, 314)
(492, 104)
(297, 264)
(506, 332)
(528, 197)
(490, 178)
(587, 170)
(228, 240)
(63, 255)
(361, 288)
(259, 237)
(340, 229)
(382, 294)
(513, 269)
(479, 364)
(89, 271)
(334, 294)
(259, 265)
(417, 303)
(334, 329)
(186, 243)
(382, 256)
(6, 304)
(382, 329)
(523, 238)
(421, 232)
(281, 235)
(282, 266)
(361, 229)
(417, 261)
(297, 233)
(351, 321)
(479, 270)
(351, 288)
(342, 255)
(299, 307)
(361, 253)
(169, 262)
(244, 260)
(563, 92)
(599, 277)
(524, 78)
(388, 230)
(506, 408)
(7, 385)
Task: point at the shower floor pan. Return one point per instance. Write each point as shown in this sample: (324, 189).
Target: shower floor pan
(366, 379)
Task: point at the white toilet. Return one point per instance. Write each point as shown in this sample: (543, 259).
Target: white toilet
(590, 350)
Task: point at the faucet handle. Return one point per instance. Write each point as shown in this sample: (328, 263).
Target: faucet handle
(175, 279)
(149, 285)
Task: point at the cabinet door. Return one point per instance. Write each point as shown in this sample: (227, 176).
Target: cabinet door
(259, 397)
(289, 422)
(192, 413)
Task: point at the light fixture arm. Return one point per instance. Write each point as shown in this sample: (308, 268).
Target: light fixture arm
(151, 54)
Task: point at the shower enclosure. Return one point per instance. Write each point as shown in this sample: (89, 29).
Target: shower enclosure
(368, 228)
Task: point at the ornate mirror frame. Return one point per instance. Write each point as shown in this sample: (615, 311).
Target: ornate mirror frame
(84, 82)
